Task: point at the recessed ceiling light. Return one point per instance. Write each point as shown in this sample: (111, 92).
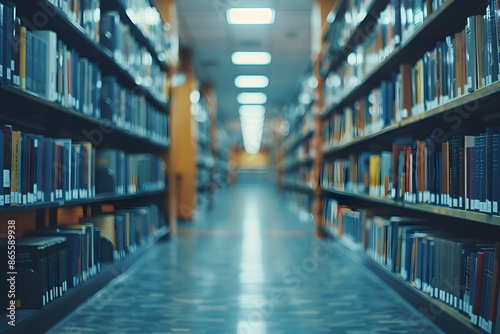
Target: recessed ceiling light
(252, 98)
(250, 15)
(252, 110)
(251, 81)
(251, 58)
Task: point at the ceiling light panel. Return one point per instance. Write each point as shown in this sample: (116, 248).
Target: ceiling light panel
(251, 58)
(250, 16)
(252, 98)
(251, 81)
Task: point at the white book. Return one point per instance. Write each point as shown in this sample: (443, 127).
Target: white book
(50, 39)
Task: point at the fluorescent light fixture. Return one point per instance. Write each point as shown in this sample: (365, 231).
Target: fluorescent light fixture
(251, 58)
(250, 15)
(252, 98)
(252, 110)
(251, 81)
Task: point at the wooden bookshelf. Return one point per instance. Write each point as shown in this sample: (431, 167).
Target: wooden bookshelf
(466, 114)
(296, 163)
(360, 32)
(33, 114)
(412, 209)
(432, 119)
(299, 140)
(28, 110)
(446, 20)
(76, 37)
(38, 321)
(441, 315)
(116, 5)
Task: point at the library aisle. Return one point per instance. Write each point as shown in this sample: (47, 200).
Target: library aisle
(249, 266)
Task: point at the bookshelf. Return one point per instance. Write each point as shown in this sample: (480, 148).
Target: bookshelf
(92, 117)
(388, 82)
(297, 156)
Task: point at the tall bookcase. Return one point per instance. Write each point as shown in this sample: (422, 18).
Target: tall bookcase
(98, 82)
(296, 168)
(409, 129)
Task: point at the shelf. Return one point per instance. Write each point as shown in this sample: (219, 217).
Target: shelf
(87, 201)
(482, 218)
(301, 138)
(288, 165)
(76, 37)
(360, 32)
(334, 14)
(24, 109)
(303, 188)
(439, 118)
(443, 316)
(109, 5)
(445, 21)
(41, 320)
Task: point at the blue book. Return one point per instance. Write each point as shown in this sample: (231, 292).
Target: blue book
(9, 12)
(1, 42)
(29, 61)
(495, 172)
(49, 160)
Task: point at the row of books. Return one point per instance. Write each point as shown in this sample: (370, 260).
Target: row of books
(461, 173)
(121, 173)
(85, 13)
(38, 61)
(365, 173)
(38, 169)
(76, 83)
(136, 59)
(395, 23)
(456, 66)
(446, 72)
(50, 261)
(348, 20)
(41, 169)
(300, 202)
(367, 115)
(461, 271)
(148, 20)
(132, 111)
(302, 176)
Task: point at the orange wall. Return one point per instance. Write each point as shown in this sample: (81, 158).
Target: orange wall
(241, 159)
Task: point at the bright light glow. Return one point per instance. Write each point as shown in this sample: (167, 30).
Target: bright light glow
(252, 127)
(251, 81)
(252, 98)
(194, 97)
(250, 15)
(252, 110)
(251, 58)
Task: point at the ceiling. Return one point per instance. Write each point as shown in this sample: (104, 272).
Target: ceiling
(204, 30)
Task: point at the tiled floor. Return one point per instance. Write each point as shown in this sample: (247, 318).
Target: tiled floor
(250, 266)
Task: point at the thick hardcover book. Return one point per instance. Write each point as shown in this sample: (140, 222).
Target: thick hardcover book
(470, 41)
(16, 53)
(22, 58)
(110, 33)
(494, 32)
(16, 170)
(29, 61)
(109, 99)
(495, 172)
(469, 171)
(478, 286)
(50, 60)
(9, 14)
(2, 46)
(84, 251)
(7, 161)
(493, 309)
(65, 167)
